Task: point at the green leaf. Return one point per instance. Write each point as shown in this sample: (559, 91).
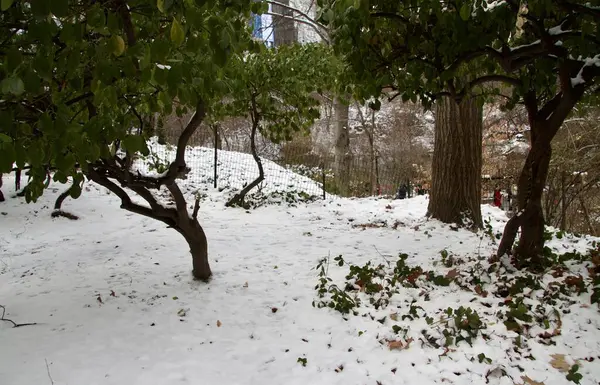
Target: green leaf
(117, 45)
(12, 85)
(465, 11)
(75, 191)
(177, 33)
(7, 157)
(6, 4)
(160, 4)
(135, 143)
(59, 8)
(5, 138)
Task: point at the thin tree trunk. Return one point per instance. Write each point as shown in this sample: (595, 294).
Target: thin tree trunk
(455, 195)
(563, 201)
(61, 198)
(586, 216)
(342, 147)
(372, 154)
(238, 199)
(58, 212)
(17, 179)
(1, 195)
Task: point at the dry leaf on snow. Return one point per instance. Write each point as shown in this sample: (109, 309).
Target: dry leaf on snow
(559, 362)
(400, 345)
(529, 381)
(452, 274)
(219, 324)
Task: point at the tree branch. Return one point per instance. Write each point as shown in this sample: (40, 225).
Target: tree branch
(126, 202)
(15, 325)
(311, 23)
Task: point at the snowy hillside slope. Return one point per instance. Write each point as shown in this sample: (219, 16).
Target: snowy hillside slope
(234, 171)
(115, 303)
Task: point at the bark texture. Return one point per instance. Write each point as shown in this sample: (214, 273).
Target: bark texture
(342, 147)
(455, 195)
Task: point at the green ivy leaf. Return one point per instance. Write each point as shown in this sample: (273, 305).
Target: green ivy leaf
(5, 138)
(160, 4)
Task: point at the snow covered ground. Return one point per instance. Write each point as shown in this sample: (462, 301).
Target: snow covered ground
(115, 303)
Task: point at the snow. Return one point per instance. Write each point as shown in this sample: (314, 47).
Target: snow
(114, 301)
(587, 62)
(490, 5)
(234, 170)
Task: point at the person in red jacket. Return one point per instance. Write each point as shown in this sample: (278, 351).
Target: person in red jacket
(497, 197)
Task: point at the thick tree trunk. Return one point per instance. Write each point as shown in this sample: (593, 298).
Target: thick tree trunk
(196, 239)
(342, 147)
(455, 195)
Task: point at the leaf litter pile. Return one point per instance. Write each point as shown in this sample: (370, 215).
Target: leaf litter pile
(512, 326)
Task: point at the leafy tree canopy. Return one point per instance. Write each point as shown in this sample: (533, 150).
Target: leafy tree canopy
(427, 48)
(279, 87)
(78, 77)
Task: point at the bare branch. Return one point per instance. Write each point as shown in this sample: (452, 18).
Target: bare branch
(316, 27)
(15, 325)
(126, 202)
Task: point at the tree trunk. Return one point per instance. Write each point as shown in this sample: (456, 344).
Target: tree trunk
(196, 239)
(530, 217)
(1, 195)
(563, 201)
(455, 195)
(342, 147)
(238, 199)
(17, 179)
(372, 155)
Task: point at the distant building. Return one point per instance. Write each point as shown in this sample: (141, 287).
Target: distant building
(278, 27)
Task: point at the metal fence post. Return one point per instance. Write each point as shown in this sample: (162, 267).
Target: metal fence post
(216, 129)
(323, 178)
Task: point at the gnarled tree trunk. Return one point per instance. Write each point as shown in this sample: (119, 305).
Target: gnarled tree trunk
(530, 215)
(544, 123)
(342, 147)
(238, 199)
(177, 217)
(455, 195)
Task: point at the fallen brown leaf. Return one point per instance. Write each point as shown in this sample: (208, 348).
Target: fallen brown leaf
(559, 362)
(480, 291)
(219, 324)
(394, 316)
(452, 274)
(400, 345)
(529, 381)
